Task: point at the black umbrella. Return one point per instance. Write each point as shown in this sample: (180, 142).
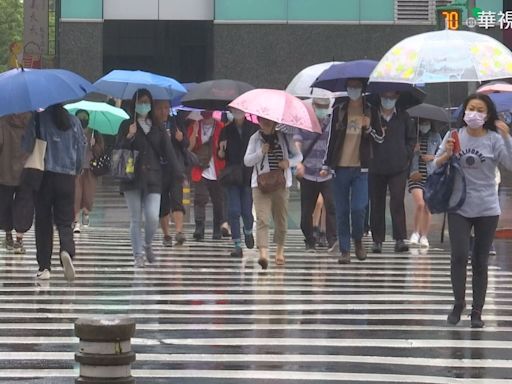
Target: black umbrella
(215, 95)
(430, 112)
(410, 96)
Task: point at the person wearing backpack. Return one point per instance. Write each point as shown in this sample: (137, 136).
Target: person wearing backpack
(484, 143)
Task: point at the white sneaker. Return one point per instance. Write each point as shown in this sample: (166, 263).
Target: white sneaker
(424, 242)
(335, 248)
(43, 275)
(415, 238)
(67, 265)
(76, 227)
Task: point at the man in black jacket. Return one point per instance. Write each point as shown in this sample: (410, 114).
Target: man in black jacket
(389, 169)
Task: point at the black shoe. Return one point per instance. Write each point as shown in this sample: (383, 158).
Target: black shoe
(377, 247)
(454, 316)
(167, 242)
(345, 258)
(237, 252)
(476, 319)
(199, 232)
(9, 242)
(249, 241)
(322, 240)
(217, 236)
(400, 246)
(310, 246)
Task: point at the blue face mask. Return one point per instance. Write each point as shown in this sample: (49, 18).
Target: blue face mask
(321, 113)
(387, 103)
(142, 109)
(354, 93)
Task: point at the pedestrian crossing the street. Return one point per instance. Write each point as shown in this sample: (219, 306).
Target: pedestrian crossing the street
(204, 317)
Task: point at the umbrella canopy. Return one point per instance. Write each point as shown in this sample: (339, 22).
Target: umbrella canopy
(409, 95)
(24, 91)
(123, 84)
(430, 112)
(300, 86)
(215, 95)
(103, 117)
(177, 100)
(335, 77)
(492, 88)
(278, 106)
(444, 56)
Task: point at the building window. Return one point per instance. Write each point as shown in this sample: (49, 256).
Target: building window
(415, 11)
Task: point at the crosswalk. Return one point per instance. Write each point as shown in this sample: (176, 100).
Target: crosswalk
(205, 317)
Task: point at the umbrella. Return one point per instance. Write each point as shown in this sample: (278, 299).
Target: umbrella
(444, 56)
(123, 84)
(502, 101)
(278, 106)
(492, 88)
(103, 117)
(335, 77)
(177, 100)
(215, 94)
(300, 86)
(409, 95)
(24, 91)
(429, 111)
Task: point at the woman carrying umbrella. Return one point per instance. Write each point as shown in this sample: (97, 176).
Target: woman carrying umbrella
(484, 142)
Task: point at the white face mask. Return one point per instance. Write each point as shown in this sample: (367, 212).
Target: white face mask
(425, 127)
(354, 93)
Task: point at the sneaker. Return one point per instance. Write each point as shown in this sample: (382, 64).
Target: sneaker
(76, 227)
(335, 248)
(415, 239)
(224, 230)
(199, 232)
(322, 240)
(360, 250)
(492, 251)
(249, 241)
(9, 242)
(139, 262)
(180, 238)
(67, 265)
(150, 255)
(311, 247)
(43, 275)
(454, 316)
(85, 220)
(237, 252)
(345, 258)
(377, 247)
(18, 247)
(167, 242)
(400, 246)
(476, 319)
(424, 242)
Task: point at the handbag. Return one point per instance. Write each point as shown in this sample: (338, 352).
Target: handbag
(33, 171)
(231, 175)
(100, 166)
(122, 164)
(271, 181)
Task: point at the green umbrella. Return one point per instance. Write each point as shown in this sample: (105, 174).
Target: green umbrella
(103, 117)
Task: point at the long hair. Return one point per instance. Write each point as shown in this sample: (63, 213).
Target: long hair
(60, 116)
(136, 96)
(492, 114)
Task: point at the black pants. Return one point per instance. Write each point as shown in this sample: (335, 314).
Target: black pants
(309, 191)
(54, 205)
(460, 230)
(378, 189)
(203, 190)
(16, 208)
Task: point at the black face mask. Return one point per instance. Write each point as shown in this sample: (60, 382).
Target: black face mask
(85, 123)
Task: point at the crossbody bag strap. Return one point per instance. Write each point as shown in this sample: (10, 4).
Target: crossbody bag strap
(308, 151)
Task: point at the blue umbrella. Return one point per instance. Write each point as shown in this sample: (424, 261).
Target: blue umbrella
(502, 101)
(23, 91)
(123, 84)
(335, 77)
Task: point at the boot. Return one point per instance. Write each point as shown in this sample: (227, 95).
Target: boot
(360, 250)
(263, 260)
(454, 316)
(476, 319)
(280, 255)
(199, 232)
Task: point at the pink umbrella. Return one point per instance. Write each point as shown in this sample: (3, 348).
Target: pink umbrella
(278, 106)
(492, 88)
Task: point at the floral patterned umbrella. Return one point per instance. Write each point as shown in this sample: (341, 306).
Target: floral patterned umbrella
(444, 56)
(278, 106)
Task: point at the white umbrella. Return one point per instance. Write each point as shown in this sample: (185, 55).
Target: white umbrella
(300, 86)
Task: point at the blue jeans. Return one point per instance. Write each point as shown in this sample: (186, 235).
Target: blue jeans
(351, 198)
(240, 204)
(137, 203)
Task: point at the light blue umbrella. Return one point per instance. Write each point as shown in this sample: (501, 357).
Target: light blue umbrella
(123, 84)
(103, 117)
(24, 91)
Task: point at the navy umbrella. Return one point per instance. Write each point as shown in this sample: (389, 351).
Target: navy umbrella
(335, 77)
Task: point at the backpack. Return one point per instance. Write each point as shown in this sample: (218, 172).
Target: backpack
(442, 187)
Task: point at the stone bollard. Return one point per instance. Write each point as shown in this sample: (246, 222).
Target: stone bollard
(105, 352)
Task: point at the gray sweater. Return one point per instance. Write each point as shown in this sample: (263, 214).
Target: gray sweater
(479, 158)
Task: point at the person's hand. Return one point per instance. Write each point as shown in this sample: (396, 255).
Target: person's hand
(366, 122)
(427, 158)
(449, 146)
(265, 148)
(502, 128)
(284, 164)
(417, 147)
(93, 141)
(416, 176)
(299, 172)
(195, 128)
(132, 130)
(178, 136)
(324, 173)
(222, 145)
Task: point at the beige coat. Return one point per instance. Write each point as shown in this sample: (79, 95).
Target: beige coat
(12, 158)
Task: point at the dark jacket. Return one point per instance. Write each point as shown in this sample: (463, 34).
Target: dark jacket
(156, 155)
(236, 146)
(179, 146)
(394, 154)
(339, 131)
